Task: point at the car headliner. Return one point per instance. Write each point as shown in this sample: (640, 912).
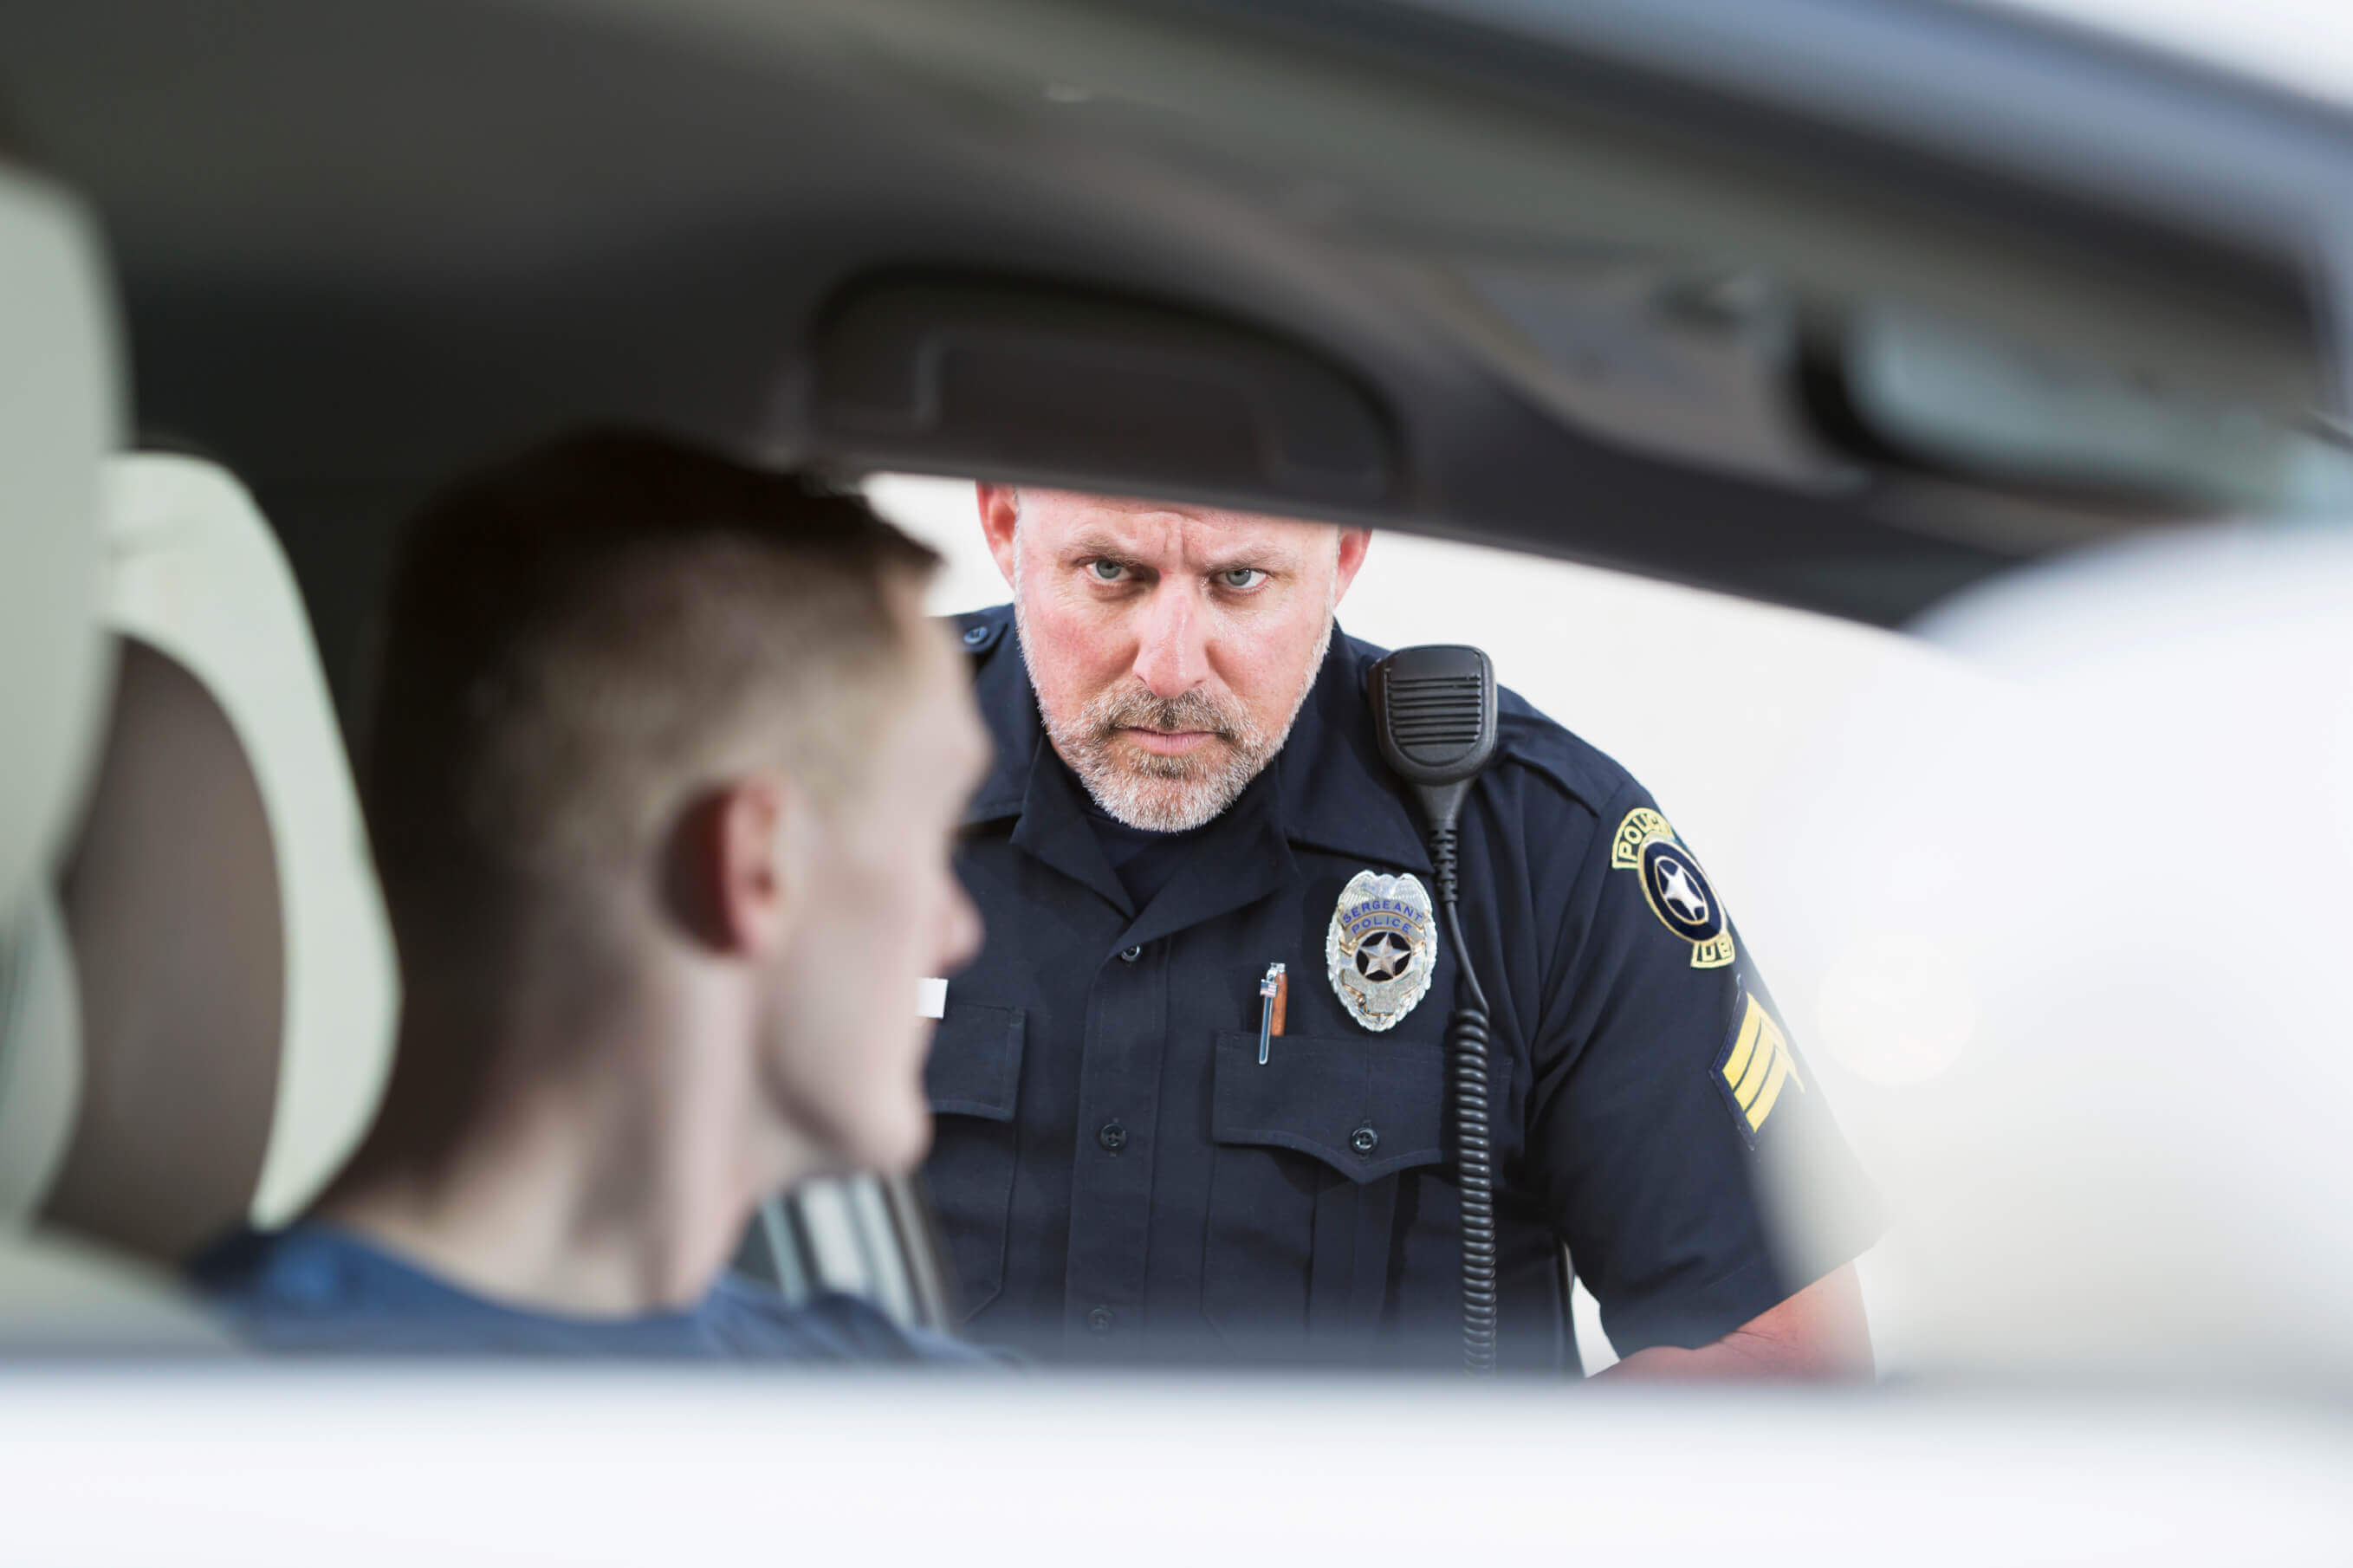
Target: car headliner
(362, 242)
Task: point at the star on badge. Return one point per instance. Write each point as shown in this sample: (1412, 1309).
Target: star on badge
(1381, 948)
(1383, 958)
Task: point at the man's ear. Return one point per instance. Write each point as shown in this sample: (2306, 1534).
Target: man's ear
(1354, 542)
(1000, 513)
(734, 882)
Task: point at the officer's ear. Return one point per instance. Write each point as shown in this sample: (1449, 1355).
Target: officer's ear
(736, 865)
(1000, 514)
(1354, 542)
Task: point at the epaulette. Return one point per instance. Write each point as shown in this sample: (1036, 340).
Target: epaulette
(1532, 739)
(981, 631)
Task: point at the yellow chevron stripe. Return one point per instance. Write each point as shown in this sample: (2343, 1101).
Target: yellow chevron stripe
(1761, 1060)
(1772, 1091)
(1737, 1063)
(1760, 1065)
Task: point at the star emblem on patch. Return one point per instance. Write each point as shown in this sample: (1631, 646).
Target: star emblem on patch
(1674, 887)
(1381, 947)
(1678, 888)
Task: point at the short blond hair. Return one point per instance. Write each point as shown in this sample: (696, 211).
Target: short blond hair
(576, 642)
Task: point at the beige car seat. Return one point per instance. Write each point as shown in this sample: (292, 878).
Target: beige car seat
(58, 414)
(237, 991)
(195, 572)
(171, 913)
(197, 991)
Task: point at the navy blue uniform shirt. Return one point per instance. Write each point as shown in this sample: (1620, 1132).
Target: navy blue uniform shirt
(1118, 1176)
(315, 1286)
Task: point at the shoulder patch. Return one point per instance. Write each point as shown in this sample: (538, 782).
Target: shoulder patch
(1755, 1065)
(1674, 886)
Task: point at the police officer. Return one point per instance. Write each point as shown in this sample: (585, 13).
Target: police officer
(1133, 1161)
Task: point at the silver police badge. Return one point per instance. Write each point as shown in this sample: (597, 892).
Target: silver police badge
(1381, 948)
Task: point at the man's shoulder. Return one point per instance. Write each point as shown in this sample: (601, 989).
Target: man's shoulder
(1533, 740)
(303, 1265)
(313, 1287)
(1529, 738)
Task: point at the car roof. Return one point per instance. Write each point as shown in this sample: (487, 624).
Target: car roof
(1555, 277)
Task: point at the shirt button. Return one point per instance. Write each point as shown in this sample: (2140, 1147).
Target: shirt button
(1113, 1137)
(1099, 1320)
(1130, 955)
(1364, 1140)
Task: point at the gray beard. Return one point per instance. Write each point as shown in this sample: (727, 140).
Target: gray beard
(1157, 794)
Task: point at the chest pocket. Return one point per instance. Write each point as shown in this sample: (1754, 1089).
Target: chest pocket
(1312, 1150)
(973, 1078)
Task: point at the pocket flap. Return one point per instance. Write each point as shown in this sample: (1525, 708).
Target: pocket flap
(975, 1067)
(1367, 1108)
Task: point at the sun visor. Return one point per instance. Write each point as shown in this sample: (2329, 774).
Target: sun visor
(992, 379)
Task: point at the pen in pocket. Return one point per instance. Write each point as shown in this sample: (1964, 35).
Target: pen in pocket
(1274, 991)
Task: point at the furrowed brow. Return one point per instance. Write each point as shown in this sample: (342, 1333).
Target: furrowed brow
(1093, 542)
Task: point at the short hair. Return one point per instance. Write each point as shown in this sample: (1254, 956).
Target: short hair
(576, 640)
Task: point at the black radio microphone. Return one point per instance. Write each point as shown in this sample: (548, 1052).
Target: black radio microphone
(1434, 710)
(1434, 714)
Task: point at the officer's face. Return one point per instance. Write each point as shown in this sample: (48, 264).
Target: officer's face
(1171, 645)
(879, 907)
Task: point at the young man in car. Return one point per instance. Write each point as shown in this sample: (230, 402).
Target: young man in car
(1133, 1162)
(662, 770)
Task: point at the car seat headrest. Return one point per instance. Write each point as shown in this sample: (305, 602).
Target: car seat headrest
(194, 571)
(172, 908)
(58, 416)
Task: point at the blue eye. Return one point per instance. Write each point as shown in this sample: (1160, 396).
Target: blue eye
(1106, 571)
(1240, 577)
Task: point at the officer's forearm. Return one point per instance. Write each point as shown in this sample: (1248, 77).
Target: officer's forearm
(1819, 1335)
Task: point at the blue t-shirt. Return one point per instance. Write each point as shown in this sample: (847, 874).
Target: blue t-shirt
(315, 1286)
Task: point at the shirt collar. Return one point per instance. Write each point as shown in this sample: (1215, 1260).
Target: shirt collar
(1333, 791)
(1330, 788)
(1009, 708)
